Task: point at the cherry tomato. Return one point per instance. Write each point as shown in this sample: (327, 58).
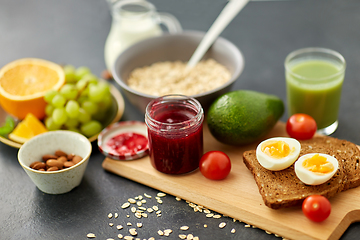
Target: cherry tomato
(316, 208)
(215, 165)
(301, 126)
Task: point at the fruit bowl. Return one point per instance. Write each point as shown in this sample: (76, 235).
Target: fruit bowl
(114, 114)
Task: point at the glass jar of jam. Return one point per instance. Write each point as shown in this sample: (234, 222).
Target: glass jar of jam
(175, 133)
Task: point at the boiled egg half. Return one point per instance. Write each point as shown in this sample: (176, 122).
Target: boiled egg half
(316, 168)
(278, 153)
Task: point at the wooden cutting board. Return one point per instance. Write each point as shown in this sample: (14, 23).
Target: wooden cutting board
(237, 196)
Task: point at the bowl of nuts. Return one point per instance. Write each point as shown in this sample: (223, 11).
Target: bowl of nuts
(56, 160)
(156, 67)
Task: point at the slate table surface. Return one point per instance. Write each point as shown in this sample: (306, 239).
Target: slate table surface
(74, 32)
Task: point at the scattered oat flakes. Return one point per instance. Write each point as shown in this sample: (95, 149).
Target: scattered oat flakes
(189, 237)
(182, 236)
(125, 205)
(184, 228)
(247, 226)
(128, 238)
(110, 215)
(222, 225)
(109, 239)
(133, 209)
(138, 215)
(128, 216)
(147, 195)
(132, 231)
(119, 227)
(207, 211)
(158, 215)
(196, 238)
(139, 225)
(217, 216)
(155, 208)
(151, 238)
(91, 235)
(161, 194)
(142, 208)
(120, 236)
(158, 212)
(131, 200)
(139, 203)
(160, 201)
(161, 233)
(268, 232)
(234, 220)
(129, 224)
(150, 210)
(205, 225)
(209, 215)
(233, 230)
(111, 224)
(116, 215)
(143, 201)
(178, 199)
(167, 232)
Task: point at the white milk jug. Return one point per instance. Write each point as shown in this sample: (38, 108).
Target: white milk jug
(132, 21)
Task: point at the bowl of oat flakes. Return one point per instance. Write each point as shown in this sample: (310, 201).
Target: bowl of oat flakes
(157, 66)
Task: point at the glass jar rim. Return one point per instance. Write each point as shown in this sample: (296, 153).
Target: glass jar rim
(173, 98)
(295, 53)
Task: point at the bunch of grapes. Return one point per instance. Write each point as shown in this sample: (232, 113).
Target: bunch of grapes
(80, 105)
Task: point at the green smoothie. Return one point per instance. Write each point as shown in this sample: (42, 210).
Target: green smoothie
(314, 88)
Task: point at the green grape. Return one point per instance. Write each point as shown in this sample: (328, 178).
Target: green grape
(106, 101)
(49, 109)
(91, 128)
(84, 116)
(58, 101)
(72, 109)
(97, 92)
(90, 107)
(8, 126)
(80, 72)
(49, 95)
(51, 125)
(69, 91)
(82, 84)
(85, 92)
(71, 123)
(59, 116)
(82, 99)
(91, 78)
(70, 74)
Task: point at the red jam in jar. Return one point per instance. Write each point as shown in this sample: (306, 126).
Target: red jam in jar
(175, 133)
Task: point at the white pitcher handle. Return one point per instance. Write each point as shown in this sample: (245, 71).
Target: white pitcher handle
(170, 22)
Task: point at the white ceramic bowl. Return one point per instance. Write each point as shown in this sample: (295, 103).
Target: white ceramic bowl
(173, 47)
(55, 182)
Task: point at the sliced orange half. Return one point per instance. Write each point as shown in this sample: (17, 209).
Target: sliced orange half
(23, 84)
(27, 128)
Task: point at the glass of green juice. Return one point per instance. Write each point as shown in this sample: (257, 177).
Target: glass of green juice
(314, 79)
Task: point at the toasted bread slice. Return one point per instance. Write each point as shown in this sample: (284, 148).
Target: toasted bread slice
(280, 189)
(349, 153)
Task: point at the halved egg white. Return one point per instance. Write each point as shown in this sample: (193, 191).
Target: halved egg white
(278, 163)
(314, 178)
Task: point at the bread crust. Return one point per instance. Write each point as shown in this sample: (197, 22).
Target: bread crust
(281, 189)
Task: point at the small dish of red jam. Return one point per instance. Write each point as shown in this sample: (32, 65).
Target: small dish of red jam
(124, 140)
(175, 132)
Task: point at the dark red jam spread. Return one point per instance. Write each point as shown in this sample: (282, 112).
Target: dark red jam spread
(127, 143)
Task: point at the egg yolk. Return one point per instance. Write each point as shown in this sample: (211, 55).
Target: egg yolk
(276, 149)
(318, 164)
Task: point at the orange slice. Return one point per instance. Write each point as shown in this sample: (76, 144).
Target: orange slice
(23, 84)
(27, 128)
